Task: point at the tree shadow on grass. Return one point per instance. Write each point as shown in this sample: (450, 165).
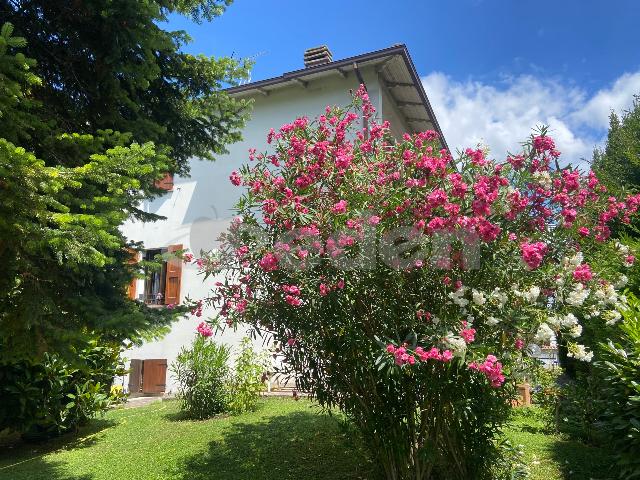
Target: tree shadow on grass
(39, 469)
(578, 460)
(24, 460)
(297, 446)
(182, 416)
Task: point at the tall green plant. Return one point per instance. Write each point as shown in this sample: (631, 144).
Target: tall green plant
(97, 102)
(203, 375)
(247, 383)
(620, 367)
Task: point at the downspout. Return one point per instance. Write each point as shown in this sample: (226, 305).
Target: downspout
(365, 121)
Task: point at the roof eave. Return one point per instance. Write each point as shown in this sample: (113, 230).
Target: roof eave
(341, 66)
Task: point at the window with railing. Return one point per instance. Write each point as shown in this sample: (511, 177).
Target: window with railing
(155, 277)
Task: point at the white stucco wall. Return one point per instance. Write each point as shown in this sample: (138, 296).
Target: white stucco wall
(200, 208)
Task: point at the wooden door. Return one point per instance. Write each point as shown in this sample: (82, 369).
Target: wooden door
(135, 376)
(154, 376)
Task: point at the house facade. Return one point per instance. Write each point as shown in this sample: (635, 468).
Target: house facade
(199, 208)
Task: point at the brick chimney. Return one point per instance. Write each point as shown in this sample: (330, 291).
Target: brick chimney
(317, 56)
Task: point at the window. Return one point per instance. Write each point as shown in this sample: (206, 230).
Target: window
(155, 279)
(162, 285)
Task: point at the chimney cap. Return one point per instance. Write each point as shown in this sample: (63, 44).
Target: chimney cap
(317, 56)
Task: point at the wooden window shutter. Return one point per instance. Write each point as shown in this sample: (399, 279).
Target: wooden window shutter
(135, 376)
(173, 278)
(131, 289)
(165, 183)
(154, 376)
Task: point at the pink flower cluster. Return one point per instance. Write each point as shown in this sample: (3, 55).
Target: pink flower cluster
(292, 296)
(235, 178)
(204, 329)
(403, 356)
(326, 289)
(468, 334)
(491, 368)
(582, 273)
(543, 144)
(197, 309)
(269, 262)
(533, 253)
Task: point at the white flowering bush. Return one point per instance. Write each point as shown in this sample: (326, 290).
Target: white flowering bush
(402, 285)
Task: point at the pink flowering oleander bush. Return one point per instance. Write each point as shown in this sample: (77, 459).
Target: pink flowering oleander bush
(403, 285)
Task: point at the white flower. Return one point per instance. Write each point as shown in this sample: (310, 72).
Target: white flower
(560, 281)
(491, 321)
(532, 294)
(622, 281)
(577, 296)
(606, 294)
(611, 317)
(457, 297)
(554, 321)
(568, 321)
(544, 334)
(461, 302)
(576, 260)
(593, 312)
(543, 178)
(579, 352)
(478, 297)
(622, 302)
(499, 297)
(622, 248)
(457, 344)
(576, 330)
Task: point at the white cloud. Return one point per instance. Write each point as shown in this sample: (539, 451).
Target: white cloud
(501, 116)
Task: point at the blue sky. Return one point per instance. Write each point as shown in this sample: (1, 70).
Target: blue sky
(491, 61)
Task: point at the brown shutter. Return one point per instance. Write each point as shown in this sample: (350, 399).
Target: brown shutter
(154, 376)
(173, 278)
(165, 183)
(135, 376)
(131, 289)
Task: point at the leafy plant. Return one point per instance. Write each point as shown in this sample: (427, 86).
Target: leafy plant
(247, 384)
(203, 374)
(48, 398)
(580, 406)
(620, 366)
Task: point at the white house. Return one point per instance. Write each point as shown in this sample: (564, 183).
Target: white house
(199, 208)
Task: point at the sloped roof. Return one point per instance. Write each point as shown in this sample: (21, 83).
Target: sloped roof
(396, 72)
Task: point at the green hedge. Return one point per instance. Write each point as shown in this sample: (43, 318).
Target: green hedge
(54, 395)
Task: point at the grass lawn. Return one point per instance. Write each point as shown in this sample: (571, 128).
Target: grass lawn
(283, 440)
